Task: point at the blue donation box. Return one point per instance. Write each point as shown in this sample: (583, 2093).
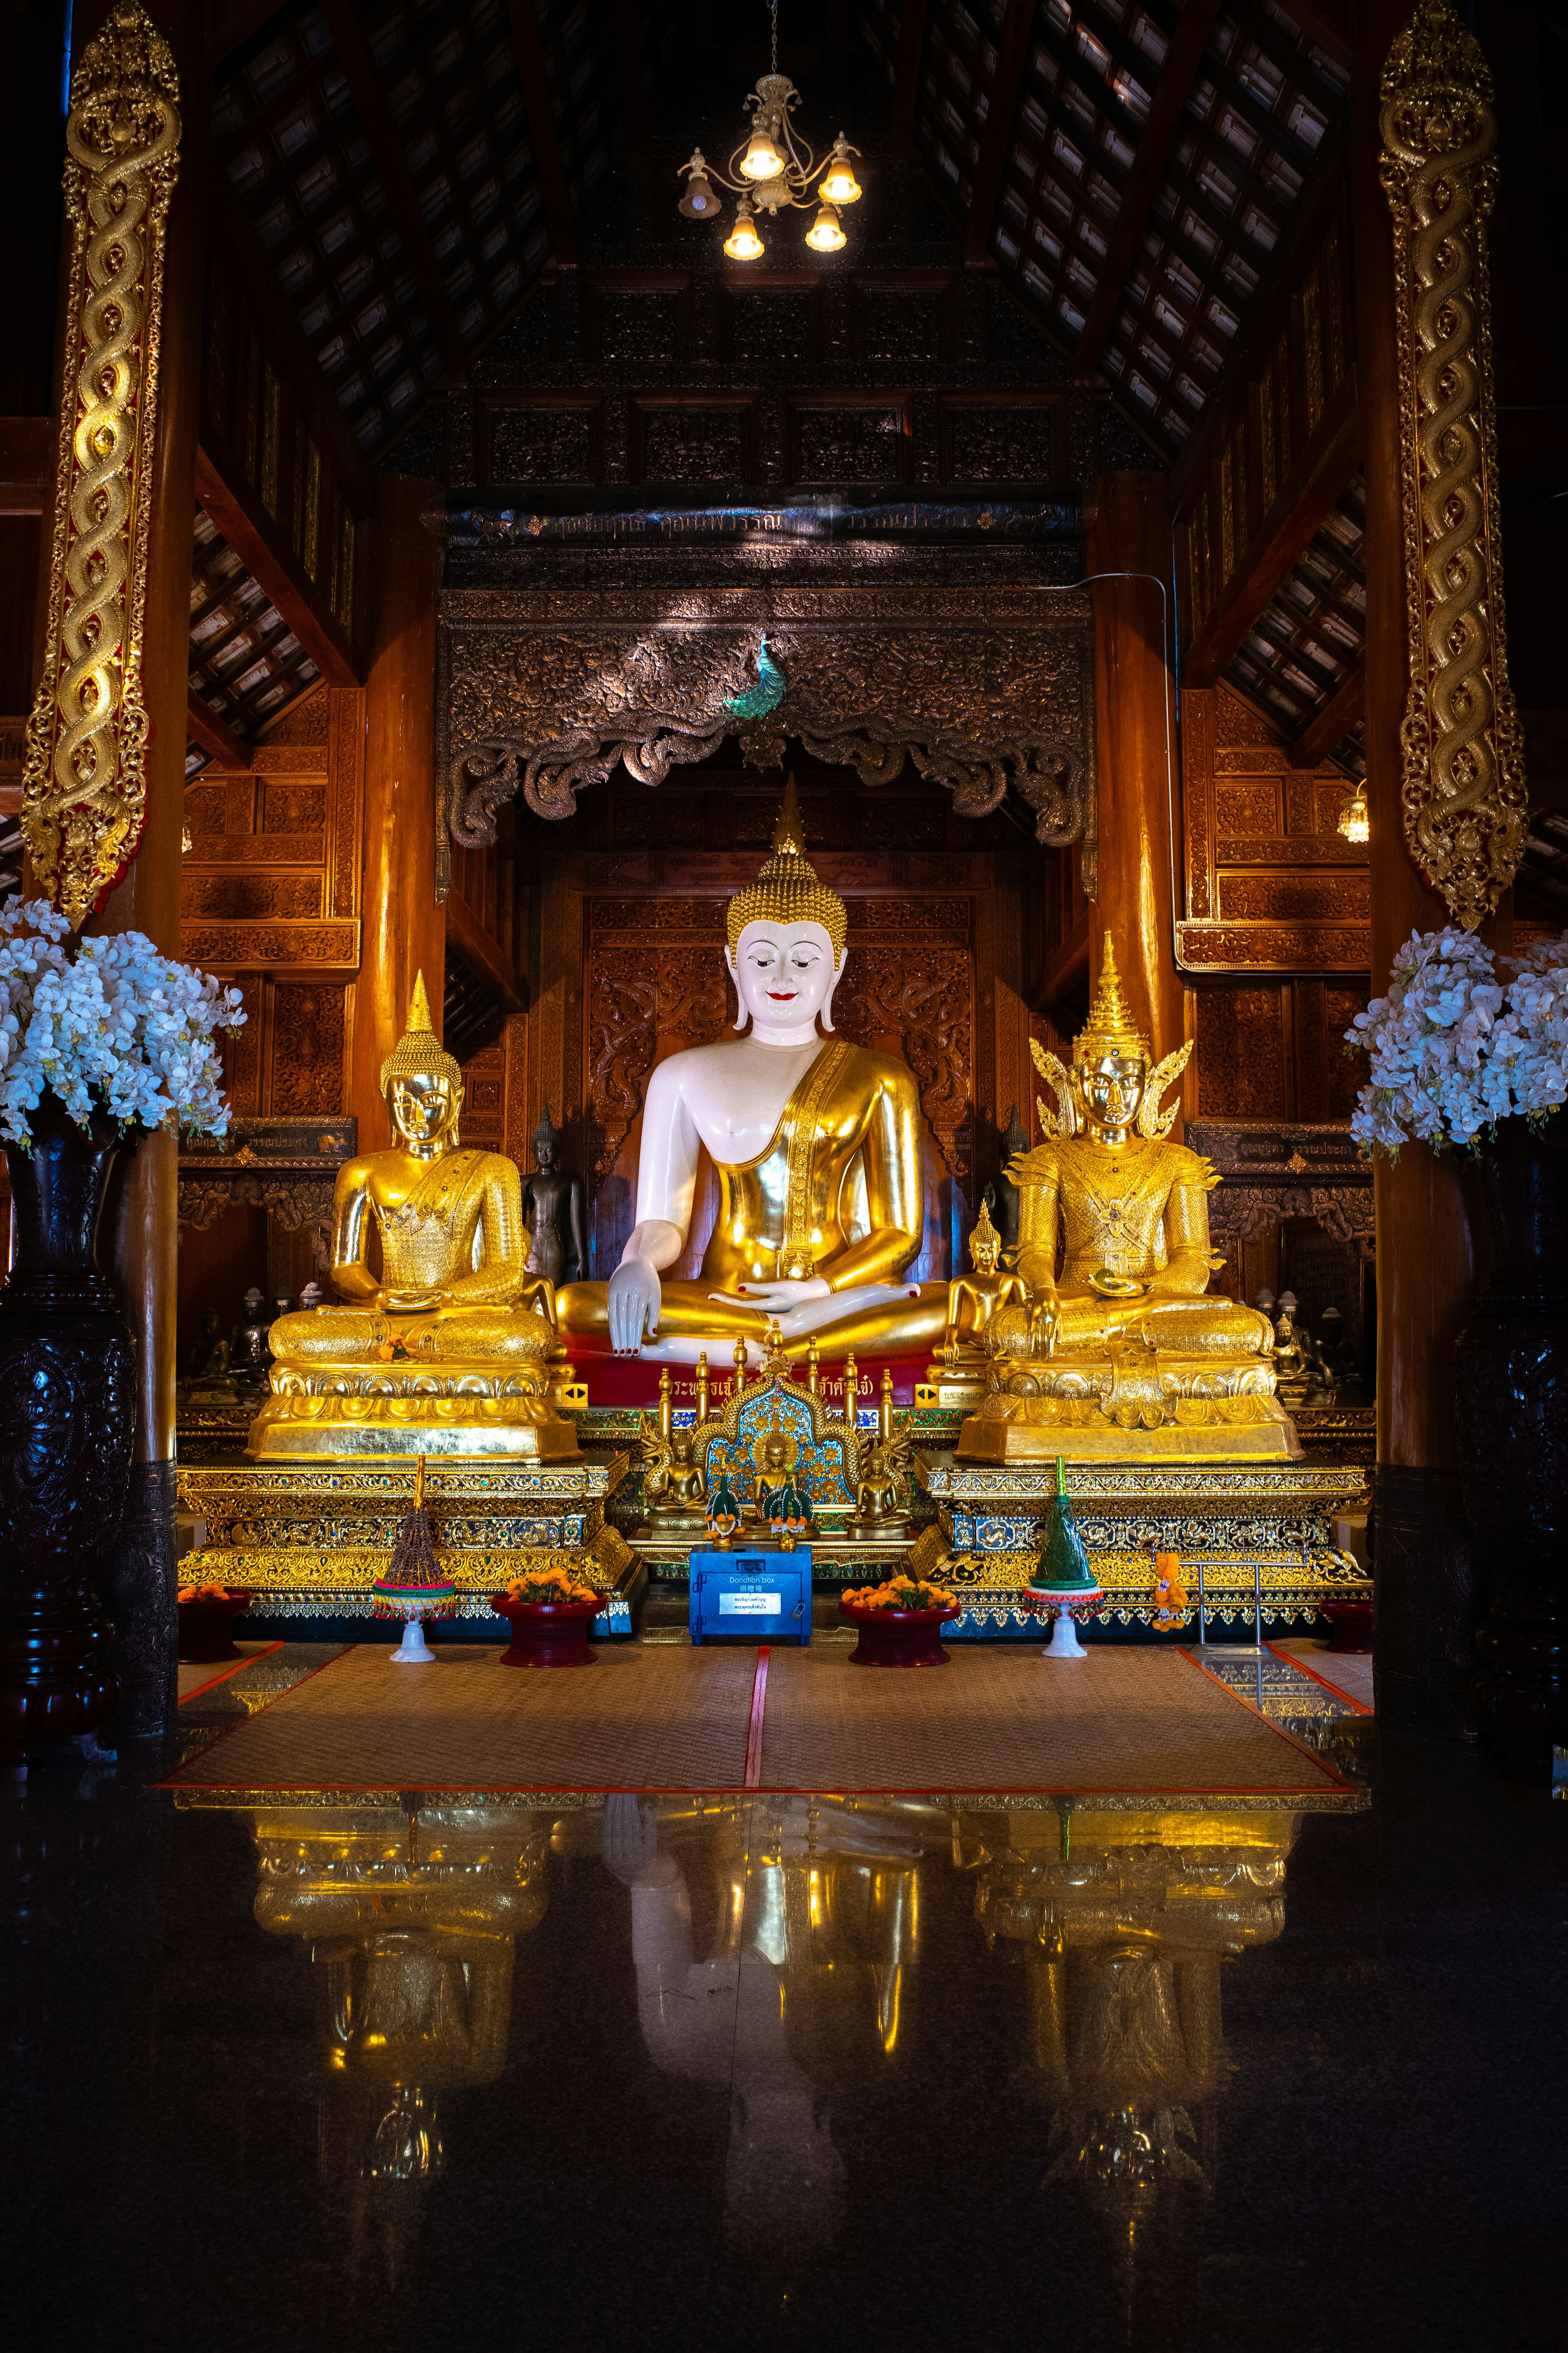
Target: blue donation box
(764, 1597)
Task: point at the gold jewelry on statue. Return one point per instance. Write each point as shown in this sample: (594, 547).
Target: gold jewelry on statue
(787, 890)
(1110, 1028)
(418, 1054)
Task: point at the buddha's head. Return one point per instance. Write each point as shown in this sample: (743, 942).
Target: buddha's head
(1109, 1058)
(984, 1245)
(546, 1143)
(422, 1083)
(785, 935)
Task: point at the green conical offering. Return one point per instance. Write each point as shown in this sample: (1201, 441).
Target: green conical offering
(721, 1504)
(1063, 1567)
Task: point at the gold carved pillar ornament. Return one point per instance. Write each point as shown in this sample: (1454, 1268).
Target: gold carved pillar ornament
(85, 778)
(1464, 790)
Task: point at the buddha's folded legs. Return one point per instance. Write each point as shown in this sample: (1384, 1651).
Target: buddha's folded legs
(357, 1335)
(689, 1309)
(1184, 1327)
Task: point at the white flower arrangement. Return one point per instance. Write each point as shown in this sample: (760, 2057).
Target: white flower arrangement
(110, 1024)
(1455, 1048)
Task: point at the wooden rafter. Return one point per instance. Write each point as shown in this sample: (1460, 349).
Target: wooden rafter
(1333, 724)
(907, 77)
(288, 349)
(1012, 48)
(386, 146)
(239, 517)
(528, 50)
(1311, 488)
(213, 733)
(1183, 59)
(234, 21)
(482, 953)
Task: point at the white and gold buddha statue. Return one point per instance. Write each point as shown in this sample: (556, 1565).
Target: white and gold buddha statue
(1123, 1354)
(447, 1351)
(816, 1147)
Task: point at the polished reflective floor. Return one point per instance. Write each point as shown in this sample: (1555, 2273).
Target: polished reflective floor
(327, 2069)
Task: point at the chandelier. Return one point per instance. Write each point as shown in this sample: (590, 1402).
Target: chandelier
(1355, 821)
(773, 171)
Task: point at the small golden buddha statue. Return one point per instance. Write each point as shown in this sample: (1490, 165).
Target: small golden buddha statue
(448, 1352)
(816, 1147)
(959, 1374)
(1124, 1356)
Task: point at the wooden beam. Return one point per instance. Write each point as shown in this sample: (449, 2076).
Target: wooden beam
(213, 733)
(29, 446)
(907, 79)
(1183, 59)
(235, 23)
(391, 163)
(1333, 724)
(531, 72)
(1326, 464)
(241, 519)
(482, 953)
(1069, 967)
(1012, 49)
(286, 347)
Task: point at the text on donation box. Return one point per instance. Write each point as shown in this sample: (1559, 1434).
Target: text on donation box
(757, 1596)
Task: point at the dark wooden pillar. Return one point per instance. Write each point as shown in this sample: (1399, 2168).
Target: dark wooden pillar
(404, 930)
(1134, 750)
(1431, 1234)
(142, 1581)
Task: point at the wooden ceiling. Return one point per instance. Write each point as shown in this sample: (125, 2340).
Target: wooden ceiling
(396, 175)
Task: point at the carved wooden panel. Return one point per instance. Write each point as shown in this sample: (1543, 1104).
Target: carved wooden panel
(308, 1033)
(639, 323)
(541, 441)
(1271, 884)
(994, 441)
(848, 440)
(691, 443)
(902, 323)
(1241, 1055)
(772, 322)
(252, 896)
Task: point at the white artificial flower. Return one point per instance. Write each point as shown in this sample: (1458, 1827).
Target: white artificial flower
(1455, 1048)
(110, 1024)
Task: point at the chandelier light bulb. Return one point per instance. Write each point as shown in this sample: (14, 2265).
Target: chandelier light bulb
(825, 233)
(839, 185)
(762, 160)
(1354, 822)
(698, 203)
(743, 244)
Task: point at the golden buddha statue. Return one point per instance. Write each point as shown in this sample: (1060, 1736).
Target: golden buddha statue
(959, 1375)
(1123, 1354)
(448, 1353)
(816, 1146)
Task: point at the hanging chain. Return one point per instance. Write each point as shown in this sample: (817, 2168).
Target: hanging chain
(775, 18)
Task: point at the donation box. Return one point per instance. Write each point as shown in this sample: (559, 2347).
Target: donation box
(764, 1597)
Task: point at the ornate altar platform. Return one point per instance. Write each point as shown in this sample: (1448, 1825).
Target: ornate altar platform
(309, 1540)
(992, 1521)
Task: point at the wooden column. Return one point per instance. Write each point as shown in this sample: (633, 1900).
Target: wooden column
(141, 1582)
(1431, 1234)
(1134, 721)
(404, 930)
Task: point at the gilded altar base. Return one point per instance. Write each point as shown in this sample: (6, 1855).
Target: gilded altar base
(1136, 1406)
(309, 1540)
(992, 1520)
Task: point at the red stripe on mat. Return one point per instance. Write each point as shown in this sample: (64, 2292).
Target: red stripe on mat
(754, 1776)
(1328, 1771)
(1350, 1699)
(224, 1674)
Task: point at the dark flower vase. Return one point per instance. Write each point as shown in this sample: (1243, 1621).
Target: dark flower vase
(67, 1413)
(1512, 1397)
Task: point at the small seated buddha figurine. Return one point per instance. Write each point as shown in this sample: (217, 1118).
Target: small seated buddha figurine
(448, 1352)
(959, 1374)
(1123, 1356)
(816, 1147)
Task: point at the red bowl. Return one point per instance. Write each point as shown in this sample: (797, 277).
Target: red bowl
(1350, 1625)
(899, 1638)
(206, 1629)
(547, 1633)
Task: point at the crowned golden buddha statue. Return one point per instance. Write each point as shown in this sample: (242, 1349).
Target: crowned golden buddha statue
(447, 1351)
(816, 1147)
(1123, 1354)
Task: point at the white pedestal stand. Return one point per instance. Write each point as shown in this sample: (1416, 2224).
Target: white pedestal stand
(414, 1650)
(1063, 1642)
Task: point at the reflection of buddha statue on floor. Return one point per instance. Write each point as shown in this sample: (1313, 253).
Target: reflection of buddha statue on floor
(973, 1300)
(1123, 1354)
(816, 1147)
(448, 1352)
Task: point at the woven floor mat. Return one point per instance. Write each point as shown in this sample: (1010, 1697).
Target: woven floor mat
(637, 1719)
(1123, 1720)
(1349, 1673)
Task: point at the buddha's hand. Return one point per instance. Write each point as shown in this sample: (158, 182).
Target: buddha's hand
(407, 1303)
(1117, 1286)
(778, 1298)
(633, 1301)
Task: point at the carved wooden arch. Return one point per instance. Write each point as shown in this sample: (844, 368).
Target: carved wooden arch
(981, 691)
